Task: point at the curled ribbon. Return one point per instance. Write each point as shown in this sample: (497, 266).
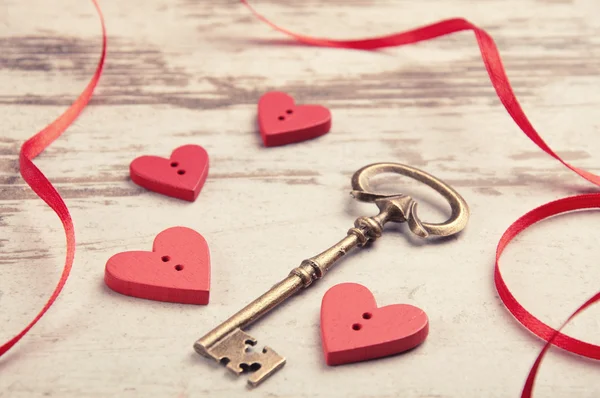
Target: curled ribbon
(540, 329)
(493, 64)
(44, 188)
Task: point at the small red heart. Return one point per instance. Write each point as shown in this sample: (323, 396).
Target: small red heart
(281, 122)
(353, 328)
(176, 270)
(181, 176)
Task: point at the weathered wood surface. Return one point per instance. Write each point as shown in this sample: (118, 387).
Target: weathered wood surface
(182, 72)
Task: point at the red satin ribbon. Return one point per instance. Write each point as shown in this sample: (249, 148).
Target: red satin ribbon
(536, 326)
(42, 186)
(493, 64)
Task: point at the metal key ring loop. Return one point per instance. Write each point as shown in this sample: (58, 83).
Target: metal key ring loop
(460, 209)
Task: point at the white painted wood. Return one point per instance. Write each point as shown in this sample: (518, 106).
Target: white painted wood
(191, 72)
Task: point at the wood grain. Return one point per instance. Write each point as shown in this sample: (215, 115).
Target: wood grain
(188, 72)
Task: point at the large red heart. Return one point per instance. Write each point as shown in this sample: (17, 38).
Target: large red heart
(182, 176)
(282, 122)
(353, 328)
(176, 270)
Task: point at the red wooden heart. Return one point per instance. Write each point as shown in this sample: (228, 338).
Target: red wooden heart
(353, 328)
(182, 176)
(176, 270)
(282, 122)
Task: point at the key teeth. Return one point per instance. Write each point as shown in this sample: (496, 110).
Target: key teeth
(235, 369)
(233, 352)
(261, 374)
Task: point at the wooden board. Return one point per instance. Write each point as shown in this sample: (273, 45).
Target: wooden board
(188, 72)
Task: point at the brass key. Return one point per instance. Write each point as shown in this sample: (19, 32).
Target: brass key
(231, 346)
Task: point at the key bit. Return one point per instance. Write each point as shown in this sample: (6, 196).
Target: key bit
(235, 352)
(232, 347)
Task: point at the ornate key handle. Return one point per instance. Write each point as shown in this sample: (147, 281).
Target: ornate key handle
(402, 208)
(232, 347)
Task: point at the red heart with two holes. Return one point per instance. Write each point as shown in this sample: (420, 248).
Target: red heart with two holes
(283, 122)
(353, 328)
(176, 270)
(181, 176)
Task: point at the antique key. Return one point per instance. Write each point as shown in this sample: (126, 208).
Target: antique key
(230, 345)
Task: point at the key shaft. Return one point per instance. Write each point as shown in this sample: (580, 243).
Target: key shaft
(300, 277)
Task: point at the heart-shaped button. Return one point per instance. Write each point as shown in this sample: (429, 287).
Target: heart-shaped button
(353, 328)
(181, 176)
(176, 270)
(283, 122)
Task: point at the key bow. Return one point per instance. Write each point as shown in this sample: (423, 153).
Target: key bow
(403, 208)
